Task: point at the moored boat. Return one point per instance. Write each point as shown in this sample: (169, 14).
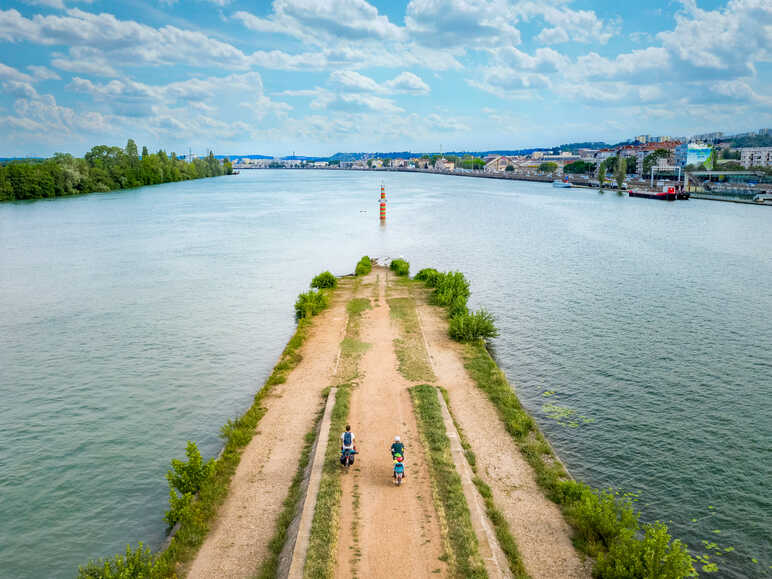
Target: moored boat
(561, 184)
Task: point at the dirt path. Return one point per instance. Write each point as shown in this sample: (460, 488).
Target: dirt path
(542, 535)
(238, 540)
(386, 530)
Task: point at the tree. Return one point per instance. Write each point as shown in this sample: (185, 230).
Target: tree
(387, 162)
(601, 175)
(579, 167)
(651, 159)
(509, 168)
(621, 171)
(548, 167)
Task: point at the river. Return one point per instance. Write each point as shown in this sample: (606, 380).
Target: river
(637, 332)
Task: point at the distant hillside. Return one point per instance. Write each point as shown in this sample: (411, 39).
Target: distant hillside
(751, 141)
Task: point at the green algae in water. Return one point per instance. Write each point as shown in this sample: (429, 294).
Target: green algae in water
(565, 416)
(548, 393)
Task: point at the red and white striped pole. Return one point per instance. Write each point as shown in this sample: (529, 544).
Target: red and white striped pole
(383, 203)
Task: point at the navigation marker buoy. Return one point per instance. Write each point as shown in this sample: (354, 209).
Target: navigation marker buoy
(383, 203)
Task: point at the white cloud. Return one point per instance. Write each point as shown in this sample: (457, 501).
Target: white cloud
(461, 23)
(121, 41)
(10, 73)
(350, 79)
(567, 25)
(407, 82)
(43, 73)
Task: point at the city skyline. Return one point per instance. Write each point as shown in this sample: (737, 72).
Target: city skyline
(329, 76)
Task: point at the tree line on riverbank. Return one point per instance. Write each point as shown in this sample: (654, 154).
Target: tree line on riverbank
(103, 168)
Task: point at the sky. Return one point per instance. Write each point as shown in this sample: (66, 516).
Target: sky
(315, 77)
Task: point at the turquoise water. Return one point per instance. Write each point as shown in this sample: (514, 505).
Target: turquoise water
(134, 321)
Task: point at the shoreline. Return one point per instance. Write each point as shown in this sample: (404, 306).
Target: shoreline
(579, 183)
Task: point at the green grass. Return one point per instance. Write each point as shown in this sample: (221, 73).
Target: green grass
(270, 565)
(364, 266)
(464, 553)
(311, 303)
(400, 267)
(496, 517)
(410, 349)
(320, 558)
(358, 305)
(324, 280)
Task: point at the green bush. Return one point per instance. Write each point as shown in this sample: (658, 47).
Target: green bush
(364, 266)
(466, 327)
(400, 267)
(310, 304)
(324, 280)
(429, 276)
(654, 555)
(135, 564)
(600, 517)
(186, 478)
(449, 287)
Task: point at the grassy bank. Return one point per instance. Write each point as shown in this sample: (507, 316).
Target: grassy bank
(461, 542)
(410, 350)
(500, 525)
(605, 524)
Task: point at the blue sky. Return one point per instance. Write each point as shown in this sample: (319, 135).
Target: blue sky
(320, 76)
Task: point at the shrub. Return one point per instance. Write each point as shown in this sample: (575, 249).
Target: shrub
(600, 517)
(400, 267)
(324, 280)
(187, 477)
(429, 276)
(458, 307)
(364, 266)
(654, 555)
(310, 304)
(137, 563)
(450, 286)
(466, 327)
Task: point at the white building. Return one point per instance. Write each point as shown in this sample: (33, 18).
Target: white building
(756, 157)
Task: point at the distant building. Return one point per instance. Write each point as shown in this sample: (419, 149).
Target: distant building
(694, 154)
(643, 139)
(498, 164)
(756, 157)
(765, 132)
(709, 137)
(444, 165)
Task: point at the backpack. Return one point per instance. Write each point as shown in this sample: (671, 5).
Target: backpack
(346, 438)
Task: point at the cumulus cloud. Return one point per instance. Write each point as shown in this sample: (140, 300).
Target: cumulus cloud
(315, 20)
(405, 82)
(461, 23)
(10, 73)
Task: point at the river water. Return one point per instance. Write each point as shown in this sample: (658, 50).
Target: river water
(637, 332)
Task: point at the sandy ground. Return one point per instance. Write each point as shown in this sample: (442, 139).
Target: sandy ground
(542, 535)
(238, 540)
(386, 530)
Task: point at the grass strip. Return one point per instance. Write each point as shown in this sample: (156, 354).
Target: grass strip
(464, 560)
(320, 558)
(270, 565)
(500, 525)
(411, 352)
(322, 545)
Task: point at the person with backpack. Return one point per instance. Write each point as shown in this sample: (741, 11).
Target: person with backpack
(347, 443)
(397, 447)
(399, 468)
